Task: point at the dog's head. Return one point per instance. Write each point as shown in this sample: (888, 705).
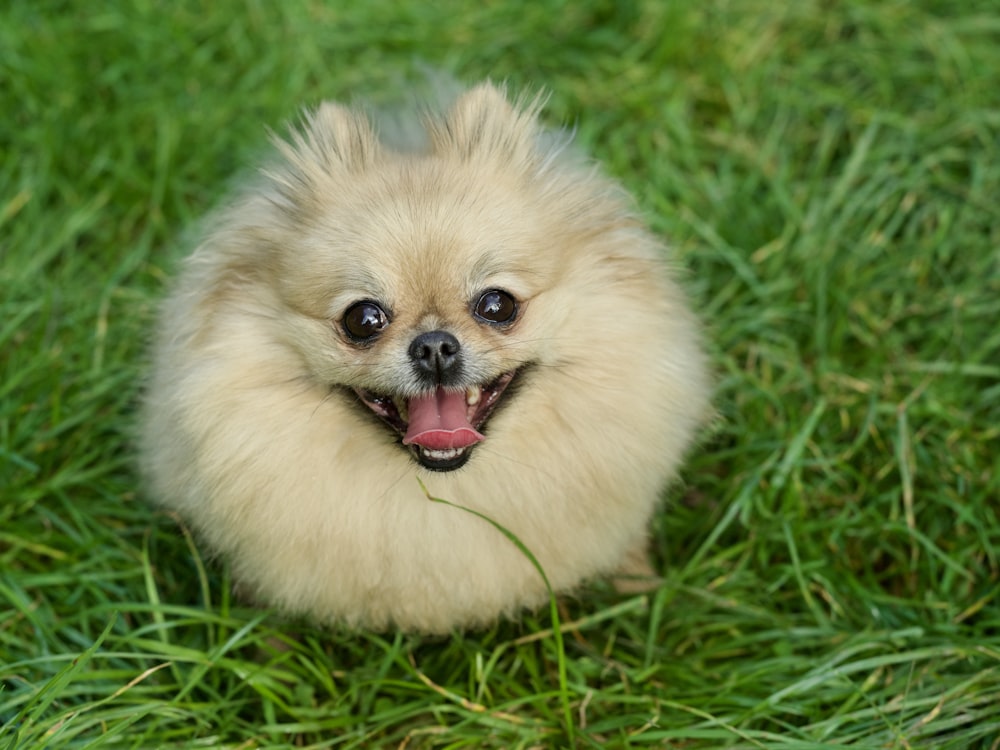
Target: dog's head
(425, 284)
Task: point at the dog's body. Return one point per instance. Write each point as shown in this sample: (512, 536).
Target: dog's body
(485, 315)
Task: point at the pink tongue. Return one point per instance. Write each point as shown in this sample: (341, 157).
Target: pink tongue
(438, 422)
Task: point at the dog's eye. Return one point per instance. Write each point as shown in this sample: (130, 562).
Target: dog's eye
(496, 306)
(363, 320)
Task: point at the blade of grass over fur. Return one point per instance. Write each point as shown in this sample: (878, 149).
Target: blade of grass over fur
(553, 606)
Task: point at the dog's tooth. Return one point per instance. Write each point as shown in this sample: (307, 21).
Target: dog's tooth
(473, 394)
(442, 454)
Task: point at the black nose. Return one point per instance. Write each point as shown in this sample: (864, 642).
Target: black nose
(437, 357)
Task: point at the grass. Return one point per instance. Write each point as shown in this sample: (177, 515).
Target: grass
(828, 173)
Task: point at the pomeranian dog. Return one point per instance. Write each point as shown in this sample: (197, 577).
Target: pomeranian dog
(480, 318)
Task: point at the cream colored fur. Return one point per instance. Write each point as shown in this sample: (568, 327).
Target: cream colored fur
(251, 432)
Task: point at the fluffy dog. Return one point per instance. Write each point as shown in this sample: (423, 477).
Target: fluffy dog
(482, 312)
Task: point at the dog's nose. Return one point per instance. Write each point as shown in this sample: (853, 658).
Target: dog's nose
(437, 356)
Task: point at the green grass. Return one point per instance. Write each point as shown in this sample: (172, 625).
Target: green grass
(829, 173)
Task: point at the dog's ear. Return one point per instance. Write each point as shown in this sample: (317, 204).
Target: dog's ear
(484, 124)
(331, 141)
(344, 136)
(332, 138)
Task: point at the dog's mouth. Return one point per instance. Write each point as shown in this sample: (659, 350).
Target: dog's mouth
(441, 427)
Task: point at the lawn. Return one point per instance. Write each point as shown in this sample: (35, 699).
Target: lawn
(828, 173)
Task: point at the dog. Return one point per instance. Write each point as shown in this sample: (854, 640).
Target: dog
(480, 317)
